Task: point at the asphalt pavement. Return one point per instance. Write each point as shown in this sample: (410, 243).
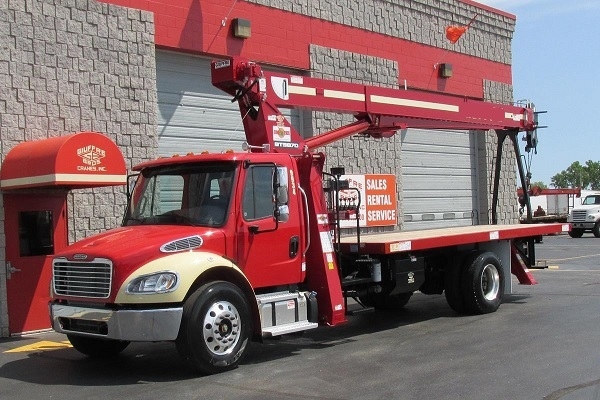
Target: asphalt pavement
(543, 343)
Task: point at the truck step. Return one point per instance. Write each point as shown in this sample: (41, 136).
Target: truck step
(275, 297)
(288, 328)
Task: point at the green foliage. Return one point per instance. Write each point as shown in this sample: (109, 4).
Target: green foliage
(576, 175)
(539, 184)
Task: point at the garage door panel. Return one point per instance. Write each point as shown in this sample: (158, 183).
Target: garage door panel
(198, 100)
(417, 149)
(436, 160)
(437, 137)
(446, 202)
(429, 187)
(193, 115)
(172, 146)
(205, 119)
(438, 179)
(435, 224)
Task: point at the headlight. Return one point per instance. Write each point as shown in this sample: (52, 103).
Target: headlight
(160, 282)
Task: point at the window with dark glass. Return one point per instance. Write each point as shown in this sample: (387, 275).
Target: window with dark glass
(258, 193)
(35, 233)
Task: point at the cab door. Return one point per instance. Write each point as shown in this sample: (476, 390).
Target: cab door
(269, 249)
(35, 227)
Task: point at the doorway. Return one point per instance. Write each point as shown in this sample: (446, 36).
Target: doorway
(35, 227)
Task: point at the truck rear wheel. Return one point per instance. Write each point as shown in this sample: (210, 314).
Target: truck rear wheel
(215, 328)
(453, 287)
(97, 348)
(576, 233)
(483, 283)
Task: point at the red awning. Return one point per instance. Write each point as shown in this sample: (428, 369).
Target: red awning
(81, 160)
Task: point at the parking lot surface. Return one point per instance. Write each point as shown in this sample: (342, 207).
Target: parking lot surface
(543, 343)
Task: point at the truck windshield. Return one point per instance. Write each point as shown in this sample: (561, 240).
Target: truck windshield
(589, 200)
(196, 194)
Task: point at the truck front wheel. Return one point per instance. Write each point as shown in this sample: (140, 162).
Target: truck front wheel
(97, 348)
(596, 229)
(215, 328)
(576, 233)
(483, 283)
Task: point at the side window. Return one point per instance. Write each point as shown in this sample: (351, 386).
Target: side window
(258, 193)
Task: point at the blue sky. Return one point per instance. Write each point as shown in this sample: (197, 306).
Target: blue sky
(556, 64)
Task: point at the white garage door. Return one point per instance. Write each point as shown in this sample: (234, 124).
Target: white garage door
(439, 179)
(193, 115)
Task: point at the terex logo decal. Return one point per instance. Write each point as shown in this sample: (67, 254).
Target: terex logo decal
(91, 156)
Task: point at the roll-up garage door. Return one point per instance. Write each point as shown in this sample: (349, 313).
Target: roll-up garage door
(439, 179)
(193, 115)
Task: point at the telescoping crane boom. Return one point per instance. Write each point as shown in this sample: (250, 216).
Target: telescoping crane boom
(379, 112)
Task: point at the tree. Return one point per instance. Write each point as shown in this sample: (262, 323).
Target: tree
(576, 175)
(539, 184)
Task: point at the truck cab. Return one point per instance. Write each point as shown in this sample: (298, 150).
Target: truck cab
(229, 225)
(586, 217)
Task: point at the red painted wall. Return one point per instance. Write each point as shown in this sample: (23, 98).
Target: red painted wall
(283, 38)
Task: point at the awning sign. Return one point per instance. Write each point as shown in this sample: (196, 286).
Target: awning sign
(80, 160)
(378, 201)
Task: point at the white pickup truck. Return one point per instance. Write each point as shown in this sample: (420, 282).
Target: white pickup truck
(585, 217)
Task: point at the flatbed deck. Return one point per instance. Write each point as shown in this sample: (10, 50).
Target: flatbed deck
(404, 241)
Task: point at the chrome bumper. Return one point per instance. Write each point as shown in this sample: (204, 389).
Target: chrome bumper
(131, 325)
(582, 225)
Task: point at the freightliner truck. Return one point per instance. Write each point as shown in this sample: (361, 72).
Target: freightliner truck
(586, 217)
(218, 250)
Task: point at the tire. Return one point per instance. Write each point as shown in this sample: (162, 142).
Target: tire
(596, 229)
(381, 301)
(215, 328)
(97, 348)
(483, 283)
(453, 287)
(576, 233)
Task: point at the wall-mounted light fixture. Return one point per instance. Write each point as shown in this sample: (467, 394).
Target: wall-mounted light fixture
(241, 28)
(445, 70)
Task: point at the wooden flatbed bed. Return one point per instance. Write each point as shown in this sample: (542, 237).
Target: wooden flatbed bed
(404, 241)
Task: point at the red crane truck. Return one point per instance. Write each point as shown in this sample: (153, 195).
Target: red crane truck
(216, 250)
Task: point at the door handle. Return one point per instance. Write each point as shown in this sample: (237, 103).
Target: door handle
(10, 270)
(294, 246)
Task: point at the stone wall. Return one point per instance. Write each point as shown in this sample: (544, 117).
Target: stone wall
(358, 154)
(420, 21)
(76, 65)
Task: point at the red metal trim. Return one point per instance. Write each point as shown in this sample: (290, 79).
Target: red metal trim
(536, 191)
(519, 269)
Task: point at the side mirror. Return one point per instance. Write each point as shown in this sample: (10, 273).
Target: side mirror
(283, 214)
(282, 194)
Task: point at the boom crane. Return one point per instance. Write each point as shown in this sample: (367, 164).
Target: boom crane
(379, 113)
(220, 249)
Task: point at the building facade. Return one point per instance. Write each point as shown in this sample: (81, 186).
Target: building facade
(137, 71)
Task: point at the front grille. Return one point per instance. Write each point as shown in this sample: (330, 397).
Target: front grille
(579, 216)
(82, 279)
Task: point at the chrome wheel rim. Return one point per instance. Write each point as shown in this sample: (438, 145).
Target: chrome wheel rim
(490, 282)
(221, 329)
